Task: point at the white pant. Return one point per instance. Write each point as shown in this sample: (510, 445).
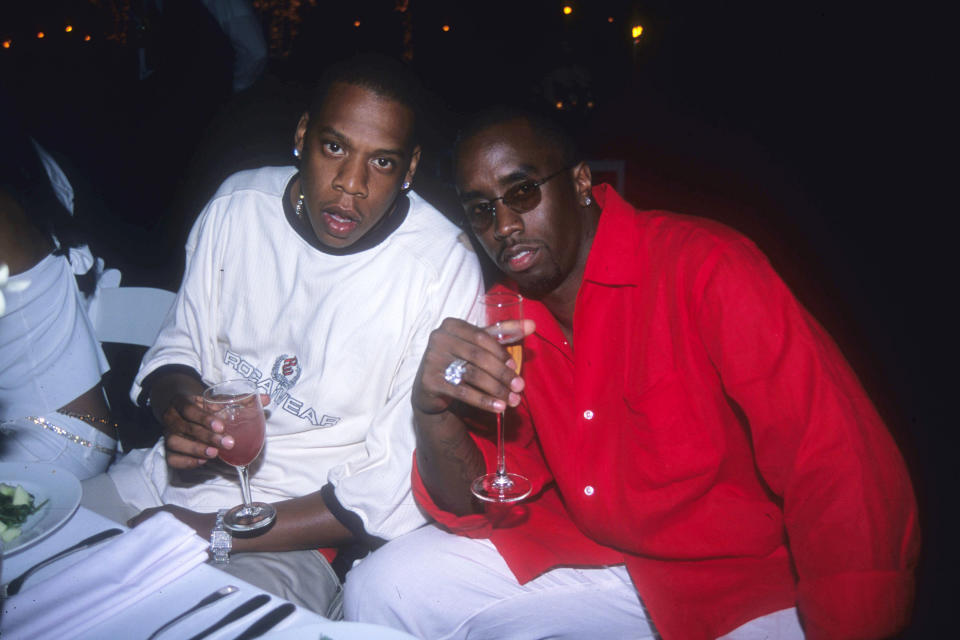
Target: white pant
(436, 585)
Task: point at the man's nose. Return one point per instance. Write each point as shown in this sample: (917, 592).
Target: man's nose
(506, 221)
(352, 178)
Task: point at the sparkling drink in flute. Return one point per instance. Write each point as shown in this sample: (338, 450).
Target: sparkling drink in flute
(504, 316)
(237, 404)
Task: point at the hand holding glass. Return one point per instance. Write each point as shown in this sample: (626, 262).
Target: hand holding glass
(504, 313)
(236, 403)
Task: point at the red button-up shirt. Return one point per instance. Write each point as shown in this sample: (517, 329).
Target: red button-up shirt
(709, 434)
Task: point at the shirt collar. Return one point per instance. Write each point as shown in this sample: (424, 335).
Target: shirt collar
(611, 260)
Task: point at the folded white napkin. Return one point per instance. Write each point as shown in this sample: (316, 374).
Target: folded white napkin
(118, 574)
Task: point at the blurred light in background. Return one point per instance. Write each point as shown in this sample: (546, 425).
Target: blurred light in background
(567, 9)
(7, 44)
(40, 34)
(445, 27)
(68, 29)
(356, 23)
(636, 31)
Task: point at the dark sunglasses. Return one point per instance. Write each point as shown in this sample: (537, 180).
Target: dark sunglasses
(521, 198)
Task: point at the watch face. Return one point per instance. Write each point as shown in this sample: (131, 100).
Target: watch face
(220, 545)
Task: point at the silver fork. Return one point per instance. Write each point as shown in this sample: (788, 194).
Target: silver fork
(207, 601)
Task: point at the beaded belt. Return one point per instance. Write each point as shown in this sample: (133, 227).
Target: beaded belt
(60, 431)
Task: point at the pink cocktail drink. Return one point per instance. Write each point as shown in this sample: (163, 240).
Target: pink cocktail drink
(236, 403)
(247, 429)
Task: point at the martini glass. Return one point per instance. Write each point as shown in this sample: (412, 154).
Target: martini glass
(504, 316)
(237, 404)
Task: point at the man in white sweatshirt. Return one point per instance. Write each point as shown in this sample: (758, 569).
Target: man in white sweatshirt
(321, 285)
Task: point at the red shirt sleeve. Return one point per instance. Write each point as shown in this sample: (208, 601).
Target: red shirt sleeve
(522, 456)
(849, 507)
(535, 534)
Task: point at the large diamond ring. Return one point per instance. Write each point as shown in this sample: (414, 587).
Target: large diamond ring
(454, 371)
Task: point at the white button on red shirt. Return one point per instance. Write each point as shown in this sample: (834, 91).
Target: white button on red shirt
(588, 490)
(588, 414)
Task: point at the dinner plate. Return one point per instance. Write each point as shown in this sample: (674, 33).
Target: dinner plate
(338, 631)
(45, 482)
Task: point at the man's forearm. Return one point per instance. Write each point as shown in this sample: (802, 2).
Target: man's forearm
(302, 523)
(448, 460)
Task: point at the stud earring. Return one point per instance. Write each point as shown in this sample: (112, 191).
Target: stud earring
(406, 185)
(587, 201)
(296, 153)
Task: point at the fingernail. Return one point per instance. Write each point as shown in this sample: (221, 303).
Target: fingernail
(499, 405)
(211, 452)
(511, 364)
(227, 442)
(514, 399)
(517, 384)
(217, 426)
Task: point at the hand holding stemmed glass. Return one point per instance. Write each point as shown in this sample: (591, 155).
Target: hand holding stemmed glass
(237, 404)
(465, 368)
(504, 321)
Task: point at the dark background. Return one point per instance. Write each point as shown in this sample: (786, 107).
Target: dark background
(816, 128)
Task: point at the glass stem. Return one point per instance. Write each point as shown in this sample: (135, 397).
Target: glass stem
(244, 485)
(501, 454)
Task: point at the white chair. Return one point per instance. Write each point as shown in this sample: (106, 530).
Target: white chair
(130, 315)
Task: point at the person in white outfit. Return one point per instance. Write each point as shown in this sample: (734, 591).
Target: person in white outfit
(52, 405)
(322, 286)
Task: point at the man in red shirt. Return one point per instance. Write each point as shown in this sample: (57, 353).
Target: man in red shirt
(704, 462)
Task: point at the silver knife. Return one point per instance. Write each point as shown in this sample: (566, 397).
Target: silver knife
(250, 605)
(13, 587)
(207, 601)
(267, 622)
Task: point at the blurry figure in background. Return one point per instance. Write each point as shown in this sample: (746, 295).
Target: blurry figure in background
(242, 25)
(155, 20)
(52, 405)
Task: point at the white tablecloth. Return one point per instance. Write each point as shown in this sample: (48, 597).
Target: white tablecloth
(141, 619)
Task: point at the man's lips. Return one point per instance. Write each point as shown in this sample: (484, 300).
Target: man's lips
(519, 257)
(340, 221)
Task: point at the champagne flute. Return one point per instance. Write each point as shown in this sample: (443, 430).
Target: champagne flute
(237, 404)
(504, 316)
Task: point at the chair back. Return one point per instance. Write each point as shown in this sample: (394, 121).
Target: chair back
(130, 315)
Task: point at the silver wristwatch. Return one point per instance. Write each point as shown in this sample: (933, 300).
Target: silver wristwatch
(221, 542)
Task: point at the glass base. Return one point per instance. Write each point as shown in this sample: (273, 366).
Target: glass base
(251, 517)
(495, 487)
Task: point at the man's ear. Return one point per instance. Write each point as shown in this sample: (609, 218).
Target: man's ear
(414, 161)
(583, 180)
(301, 133)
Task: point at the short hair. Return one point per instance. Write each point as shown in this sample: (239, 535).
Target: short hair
(385, 77)
(543, 126)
